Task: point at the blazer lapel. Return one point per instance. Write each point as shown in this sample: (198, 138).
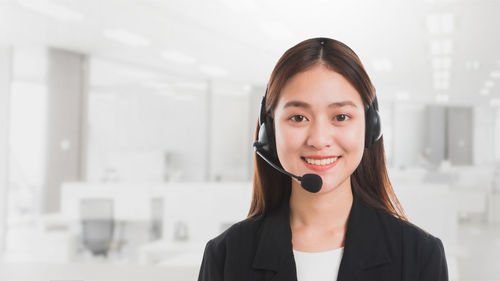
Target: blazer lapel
(365, 244)
(275, 251)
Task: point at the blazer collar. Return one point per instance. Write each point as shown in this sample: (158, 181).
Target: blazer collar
(365, 243)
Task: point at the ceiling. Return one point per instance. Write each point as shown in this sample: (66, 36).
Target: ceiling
(444, 51)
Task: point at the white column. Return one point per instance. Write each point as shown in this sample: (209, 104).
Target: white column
(208, 130)
(66, 109)
(5, 81)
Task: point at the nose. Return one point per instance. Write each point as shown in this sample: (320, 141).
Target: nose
(320, 135)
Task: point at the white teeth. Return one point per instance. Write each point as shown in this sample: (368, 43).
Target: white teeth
(322, 161)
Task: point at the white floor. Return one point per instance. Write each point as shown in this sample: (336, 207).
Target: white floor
(479, 245)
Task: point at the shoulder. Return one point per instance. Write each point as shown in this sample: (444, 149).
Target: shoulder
(424, 250)
(229, 255)
(408, 231)
(241, 233)
(235, 245)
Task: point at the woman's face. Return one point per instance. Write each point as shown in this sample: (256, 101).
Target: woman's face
(320, 126)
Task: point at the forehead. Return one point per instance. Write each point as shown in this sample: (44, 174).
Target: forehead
(319, 86)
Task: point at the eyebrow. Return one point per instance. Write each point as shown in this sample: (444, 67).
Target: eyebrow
(306, 105)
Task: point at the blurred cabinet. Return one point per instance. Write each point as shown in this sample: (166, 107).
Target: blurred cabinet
(459, 137)
(449, 135)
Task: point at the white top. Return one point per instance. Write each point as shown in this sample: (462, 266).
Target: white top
(318, 266)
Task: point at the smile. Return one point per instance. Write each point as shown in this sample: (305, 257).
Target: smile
(322, 164)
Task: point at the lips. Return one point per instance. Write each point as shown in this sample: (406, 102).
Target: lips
(320, 163)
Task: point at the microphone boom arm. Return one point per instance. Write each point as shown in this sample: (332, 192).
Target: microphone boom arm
(276, 167)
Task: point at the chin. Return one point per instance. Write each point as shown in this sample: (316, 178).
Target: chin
(330, 185)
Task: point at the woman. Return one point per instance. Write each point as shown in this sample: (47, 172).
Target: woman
(319, 118)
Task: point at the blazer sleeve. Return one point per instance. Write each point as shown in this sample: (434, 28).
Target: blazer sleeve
(211, 269)
(434, 266)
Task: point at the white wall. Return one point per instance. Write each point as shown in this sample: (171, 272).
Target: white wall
(27, 129)
(131, 132)
(5, 80)
(496, 139)
(230, 139)
(408, 134)
(483, 127)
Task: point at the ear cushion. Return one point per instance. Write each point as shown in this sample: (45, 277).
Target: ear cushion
(263, 139)
(266, 142)
(373, 130)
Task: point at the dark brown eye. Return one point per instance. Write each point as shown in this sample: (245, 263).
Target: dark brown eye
(298, 118)
(341, 117)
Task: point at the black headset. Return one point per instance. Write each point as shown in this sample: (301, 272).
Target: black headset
(266, 144)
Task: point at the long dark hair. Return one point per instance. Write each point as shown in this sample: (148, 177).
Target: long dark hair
(370, 182)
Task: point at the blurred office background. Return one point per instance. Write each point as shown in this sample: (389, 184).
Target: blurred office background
(126, 126)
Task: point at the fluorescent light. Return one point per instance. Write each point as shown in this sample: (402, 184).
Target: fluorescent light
(441, 62)
(495, 102)
(442, 75)
(440, 23)
(191, 86)
(441, 47)
(137, 73)
(157, 85)
(213, 70)
(184, 97)
(435, 47)
(433, 24)
(382, 65)
(178, 57)
(126, 37)
(166, 93)
(472, 64)
(495, 74)
(227, 92)
(484, 92)
(447, 22)
(447, 46)
(489, 84)
(52, 10)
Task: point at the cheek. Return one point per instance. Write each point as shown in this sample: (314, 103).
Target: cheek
(353, 140)
(287, 140)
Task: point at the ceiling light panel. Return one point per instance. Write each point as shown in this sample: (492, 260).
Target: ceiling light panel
(441, 47)
(212, 70)
(495, 74)
(126, 37)
(178, 57)
(52, 10)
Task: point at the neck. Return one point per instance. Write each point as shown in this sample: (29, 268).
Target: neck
(323, 211)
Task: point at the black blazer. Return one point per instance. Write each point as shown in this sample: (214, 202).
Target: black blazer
(377, 246)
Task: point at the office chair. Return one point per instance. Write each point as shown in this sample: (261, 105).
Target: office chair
(97, 225)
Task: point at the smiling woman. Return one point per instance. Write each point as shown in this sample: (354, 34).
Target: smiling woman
(320, 96)
(319, 118)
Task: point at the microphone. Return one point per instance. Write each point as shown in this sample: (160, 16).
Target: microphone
(310, 182)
